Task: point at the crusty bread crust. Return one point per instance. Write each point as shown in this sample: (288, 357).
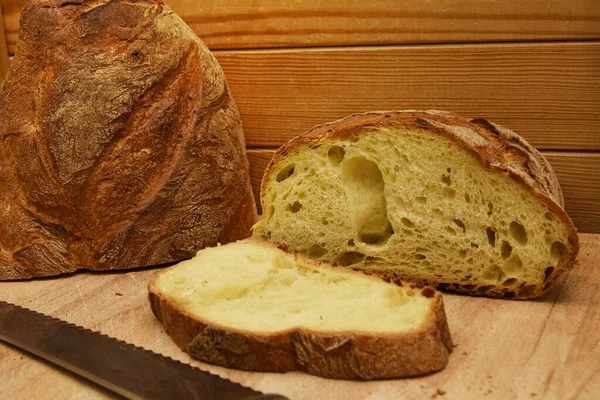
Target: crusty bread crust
(497, 148)
(120, 144)
(345, 355)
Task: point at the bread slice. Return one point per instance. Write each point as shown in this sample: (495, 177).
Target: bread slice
(253, 306)
(427, 196)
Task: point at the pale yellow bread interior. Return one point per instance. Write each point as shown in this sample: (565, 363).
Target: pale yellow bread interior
(258, 288)
(415, 204)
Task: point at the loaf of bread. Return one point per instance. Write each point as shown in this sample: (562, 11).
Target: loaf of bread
(250, 305)
(121, 145)
(428, 196)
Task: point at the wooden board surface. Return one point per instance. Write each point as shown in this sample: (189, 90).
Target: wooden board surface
(545, 349)
(288, 23)
(547, 92)
(578, 174)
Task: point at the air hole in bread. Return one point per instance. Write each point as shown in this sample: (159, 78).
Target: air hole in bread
(285, 173)
(450, 230)
(365, 188)
(547, 273)
(505, 249)
(316, 251)
(446, 180)
(518, 232)
(336, 155)
(373, 259)
(449, 193)
(527, 290)
(491, 235)
(420, 257)
(494, 273)
(407, 222)
(484, 289)
(462, 253)
(549, 216)
(460, 224)
(558, 250)
(302, 195)
(294, 207)
(376, 238)
(513, 265)
(349, 258)
(421, 200)
(510, 282)
(351, 242)
(490, 208)
(324, 221)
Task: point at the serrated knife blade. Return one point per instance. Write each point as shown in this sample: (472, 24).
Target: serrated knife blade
(123, 368)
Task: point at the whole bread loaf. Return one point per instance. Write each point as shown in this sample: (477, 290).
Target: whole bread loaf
(250, 305)
(121, 145)
(428, 196)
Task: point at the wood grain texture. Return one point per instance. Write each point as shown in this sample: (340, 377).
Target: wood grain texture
(578, 174)
(4, 61)
(579, 177)
(548, 93)
(505, 349)
(224, 24)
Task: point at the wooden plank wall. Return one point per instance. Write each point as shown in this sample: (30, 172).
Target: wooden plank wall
(533, 66)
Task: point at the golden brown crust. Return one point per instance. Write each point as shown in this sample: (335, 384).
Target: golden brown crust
(345, 355)
(497, 148)
(120, 145)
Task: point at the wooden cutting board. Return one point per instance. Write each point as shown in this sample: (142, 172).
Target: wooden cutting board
(545, 349)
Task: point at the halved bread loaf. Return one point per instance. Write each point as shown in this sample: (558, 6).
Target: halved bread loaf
(427, 196)
(120, 143)
(250, 305)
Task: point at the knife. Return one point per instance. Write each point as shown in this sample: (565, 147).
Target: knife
(131, 371)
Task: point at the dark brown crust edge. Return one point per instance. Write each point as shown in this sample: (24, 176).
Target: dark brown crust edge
(497, 148)
(344, 355)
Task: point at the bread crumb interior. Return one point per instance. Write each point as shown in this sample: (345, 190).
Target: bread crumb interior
(261, 288)
(415, 204)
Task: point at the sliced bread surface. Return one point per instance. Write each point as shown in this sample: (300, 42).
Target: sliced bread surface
(427, 196)
(250, 305)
